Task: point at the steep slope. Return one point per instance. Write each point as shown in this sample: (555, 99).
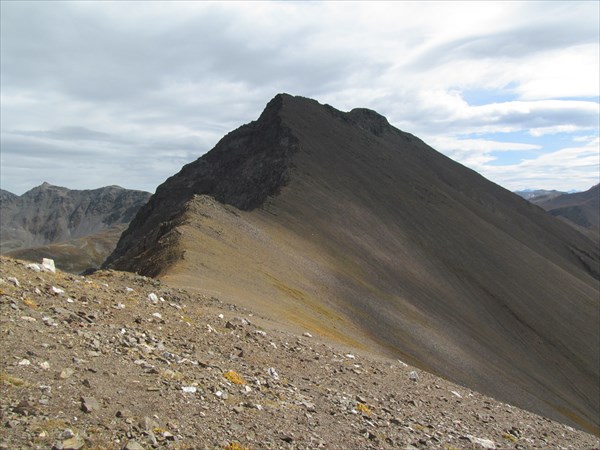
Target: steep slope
(49, 215)
(344, 225)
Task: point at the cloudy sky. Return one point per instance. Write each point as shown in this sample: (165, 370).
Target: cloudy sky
(101, 93)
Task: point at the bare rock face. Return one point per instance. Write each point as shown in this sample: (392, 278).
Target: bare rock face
(348, 227)
(86, 223)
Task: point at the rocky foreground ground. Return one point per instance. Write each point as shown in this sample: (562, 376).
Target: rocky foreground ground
(118, 361)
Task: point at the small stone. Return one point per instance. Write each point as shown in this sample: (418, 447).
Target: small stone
(168, 436)
(273, 373)
(34, 267)
(74, 443)
(157, 315)
(133, 445)
(307, 334)
(286, 438)
(361, 399)
(24, 408)
(66, 373)
(189, 389)
(14, 281)
(24, 362)
(485, 443)
(89, 404)
(153, 297)
(67, 434)
(413, 376)
(57, 291)
(310, 407)
(45, 365)
(147, 424)
(124, 414)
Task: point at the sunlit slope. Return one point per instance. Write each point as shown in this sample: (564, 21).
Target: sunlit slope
(344, 225)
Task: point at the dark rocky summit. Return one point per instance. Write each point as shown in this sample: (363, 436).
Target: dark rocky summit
(341, 224)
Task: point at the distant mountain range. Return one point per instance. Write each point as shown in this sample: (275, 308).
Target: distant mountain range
(77, 228)
(341, 224)
(532, 194)
(579, 209)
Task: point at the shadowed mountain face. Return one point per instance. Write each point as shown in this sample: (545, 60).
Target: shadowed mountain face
(76, 228)
(581, 208)
(341, 224)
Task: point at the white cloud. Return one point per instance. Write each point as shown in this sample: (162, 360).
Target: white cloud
(182, 74)
(564, 169)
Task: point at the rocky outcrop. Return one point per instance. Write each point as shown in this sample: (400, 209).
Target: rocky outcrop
(48, 214)
(77, 228)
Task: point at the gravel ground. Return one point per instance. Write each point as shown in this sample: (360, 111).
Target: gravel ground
(118, 361)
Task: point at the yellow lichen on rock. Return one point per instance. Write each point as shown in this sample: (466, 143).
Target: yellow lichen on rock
(234, 377)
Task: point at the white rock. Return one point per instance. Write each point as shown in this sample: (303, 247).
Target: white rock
(189, 389)
(485, 443)
(413, 376)
(307, 334)
(273, 373)
(34, 267)
(221, 316)
(45, 365)
(457, 394)
(157, 315)
(14, 281)
(24, 362)
(260, 333)
(48, 265)
(28, 319)
(350, 356)
(128, 290)
(152, 297)
(70, 300)
(57, 291)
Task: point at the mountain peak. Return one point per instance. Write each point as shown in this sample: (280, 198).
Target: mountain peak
(342, 222)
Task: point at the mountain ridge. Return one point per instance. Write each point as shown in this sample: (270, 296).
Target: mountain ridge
(367, 234)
